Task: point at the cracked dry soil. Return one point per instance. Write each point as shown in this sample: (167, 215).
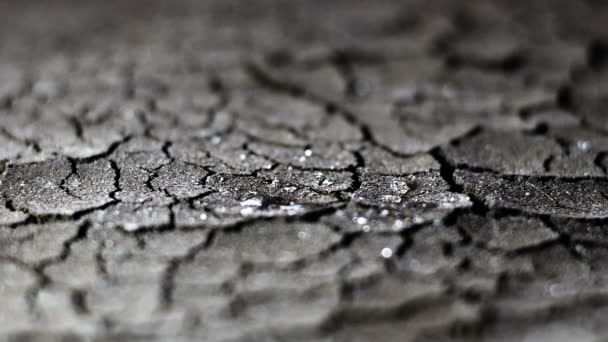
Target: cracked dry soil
(303, 170)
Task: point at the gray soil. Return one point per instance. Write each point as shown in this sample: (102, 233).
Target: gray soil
(304, 170)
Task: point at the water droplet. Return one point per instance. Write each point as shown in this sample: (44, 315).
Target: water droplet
(361, 220)
(130, 226)
(583, 145)
(555, 290)
(386, 252)
(398, 225)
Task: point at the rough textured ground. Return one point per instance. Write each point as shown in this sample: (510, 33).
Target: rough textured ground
(303, 170)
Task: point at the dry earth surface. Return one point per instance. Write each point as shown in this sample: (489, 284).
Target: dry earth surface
(303, 170)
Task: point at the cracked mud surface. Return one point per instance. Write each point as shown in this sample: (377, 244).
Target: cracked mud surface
(303, 170)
